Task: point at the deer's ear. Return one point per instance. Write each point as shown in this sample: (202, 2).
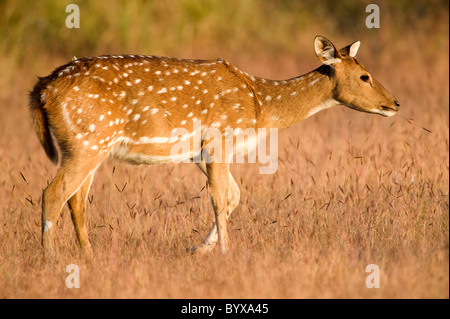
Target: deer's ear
(351, 49)
(325, 50)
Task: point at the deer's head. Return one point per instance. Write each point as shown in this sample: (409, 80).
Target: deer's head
(354, 87)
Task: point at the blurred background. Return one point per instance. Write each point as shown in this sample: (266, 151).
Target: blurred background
(367, 188)
(262, 36)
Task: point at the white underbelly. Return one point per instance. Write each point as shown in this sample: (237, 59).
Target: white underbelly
(121, 152)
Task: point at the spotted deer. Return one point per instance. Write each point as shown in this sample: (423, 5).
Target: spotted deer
(127, 107)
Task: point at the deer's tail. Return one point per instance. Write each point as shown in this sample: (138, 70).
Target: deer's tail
(40, 120)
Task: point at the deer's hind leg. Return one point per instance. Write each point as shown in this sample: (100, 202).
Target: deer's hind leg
(77, 206)
(71, 176)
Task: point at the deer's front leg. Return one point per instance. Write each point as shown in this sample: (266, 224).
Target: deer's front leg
(218, 177)
(233, 200)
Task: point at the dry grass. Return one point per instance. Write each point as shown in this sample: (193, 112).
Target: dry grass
(351, 189)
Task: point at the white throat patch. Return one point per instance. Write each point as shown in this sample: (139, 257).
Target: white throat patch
(323, 106)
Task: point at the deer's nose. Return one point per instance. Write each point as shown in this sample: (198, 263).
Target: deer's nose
(397, 103)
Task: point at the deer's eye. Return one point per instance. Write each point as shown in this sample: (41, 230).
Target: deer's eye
(365, 78)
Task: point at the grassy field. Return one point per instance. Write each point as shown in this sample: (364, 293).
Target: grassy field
(352, 189)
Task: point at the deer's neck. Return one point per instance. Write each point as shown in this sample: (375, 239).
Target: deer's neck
(287, 102)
